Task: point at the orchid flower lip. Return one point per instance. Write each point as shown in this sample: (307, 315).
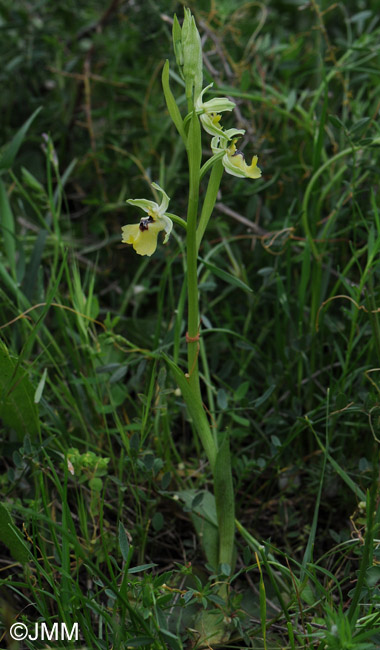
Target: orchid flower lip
(233, 159)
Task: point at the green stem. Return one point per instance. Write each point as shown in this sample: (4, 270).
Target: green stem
(177, 220)
(194, 152)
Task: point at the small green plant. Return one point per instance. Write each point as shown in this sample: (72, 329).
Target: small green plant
(143, 237)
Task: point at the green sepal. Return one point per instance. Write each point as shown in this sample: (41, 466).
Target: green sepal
(171, 103)
(177, 44)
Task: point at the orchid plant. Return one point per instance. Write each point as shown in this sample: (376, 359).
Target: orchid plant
(144, 236)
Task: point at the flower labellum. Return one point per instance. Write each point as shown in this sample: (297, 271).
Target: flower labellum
(233, 159)
(143, 236)
(234, 163)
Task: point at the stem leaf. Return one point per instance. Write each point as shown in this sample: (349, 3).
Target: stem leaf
(225, 503)
(196, 411)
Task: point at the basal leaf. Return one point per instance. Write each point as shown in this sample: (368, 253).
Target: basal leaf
(17, 407)
(10, 538)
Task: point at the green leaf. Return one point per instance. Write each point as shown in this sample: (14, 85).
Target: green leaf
(157, 521)
(342, 473)
(171, 103)
(8, 229)
(241, 391)
(203, 515)
(196, 411)
(210, 198)
(10, 538)
(222, 399)
(40, 387)
(142, 567)
(140, 641)
(372, 576)
(10, 151)
(17, 407)
(32, 182)
(227, 277)
(225, 502)
(123, 542)
(212, 629)
(336, 121)
(260, 400)
(30, 280)
(95, 484)
(360, 124)
(291, 100)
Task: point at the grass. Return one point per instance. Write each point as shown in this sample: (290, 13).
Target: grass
(99, 470)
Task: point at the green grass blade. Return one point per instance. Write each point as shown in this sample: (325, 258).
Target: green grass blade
(10, 152)
(8, 229)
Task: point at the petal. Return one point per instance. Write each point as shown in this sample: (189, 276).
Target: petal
(199, 102)
(231, 133)
(215, 105)
(218, 105)
(210, 123)
(168, 225)
(219, 143)
(165, 200)
(150, 207)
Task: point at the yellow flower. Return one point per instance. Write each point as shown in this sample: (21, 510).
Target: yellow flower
(234, 163)
(209, 112)
(143, 236)
(233, 159)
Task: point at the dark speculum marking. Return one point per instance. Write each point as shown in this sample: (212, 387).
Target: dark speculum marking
(238, 153)
(144, 223)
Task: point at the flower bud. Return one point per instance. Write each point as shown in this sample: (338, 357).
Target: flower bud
(188, 53)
